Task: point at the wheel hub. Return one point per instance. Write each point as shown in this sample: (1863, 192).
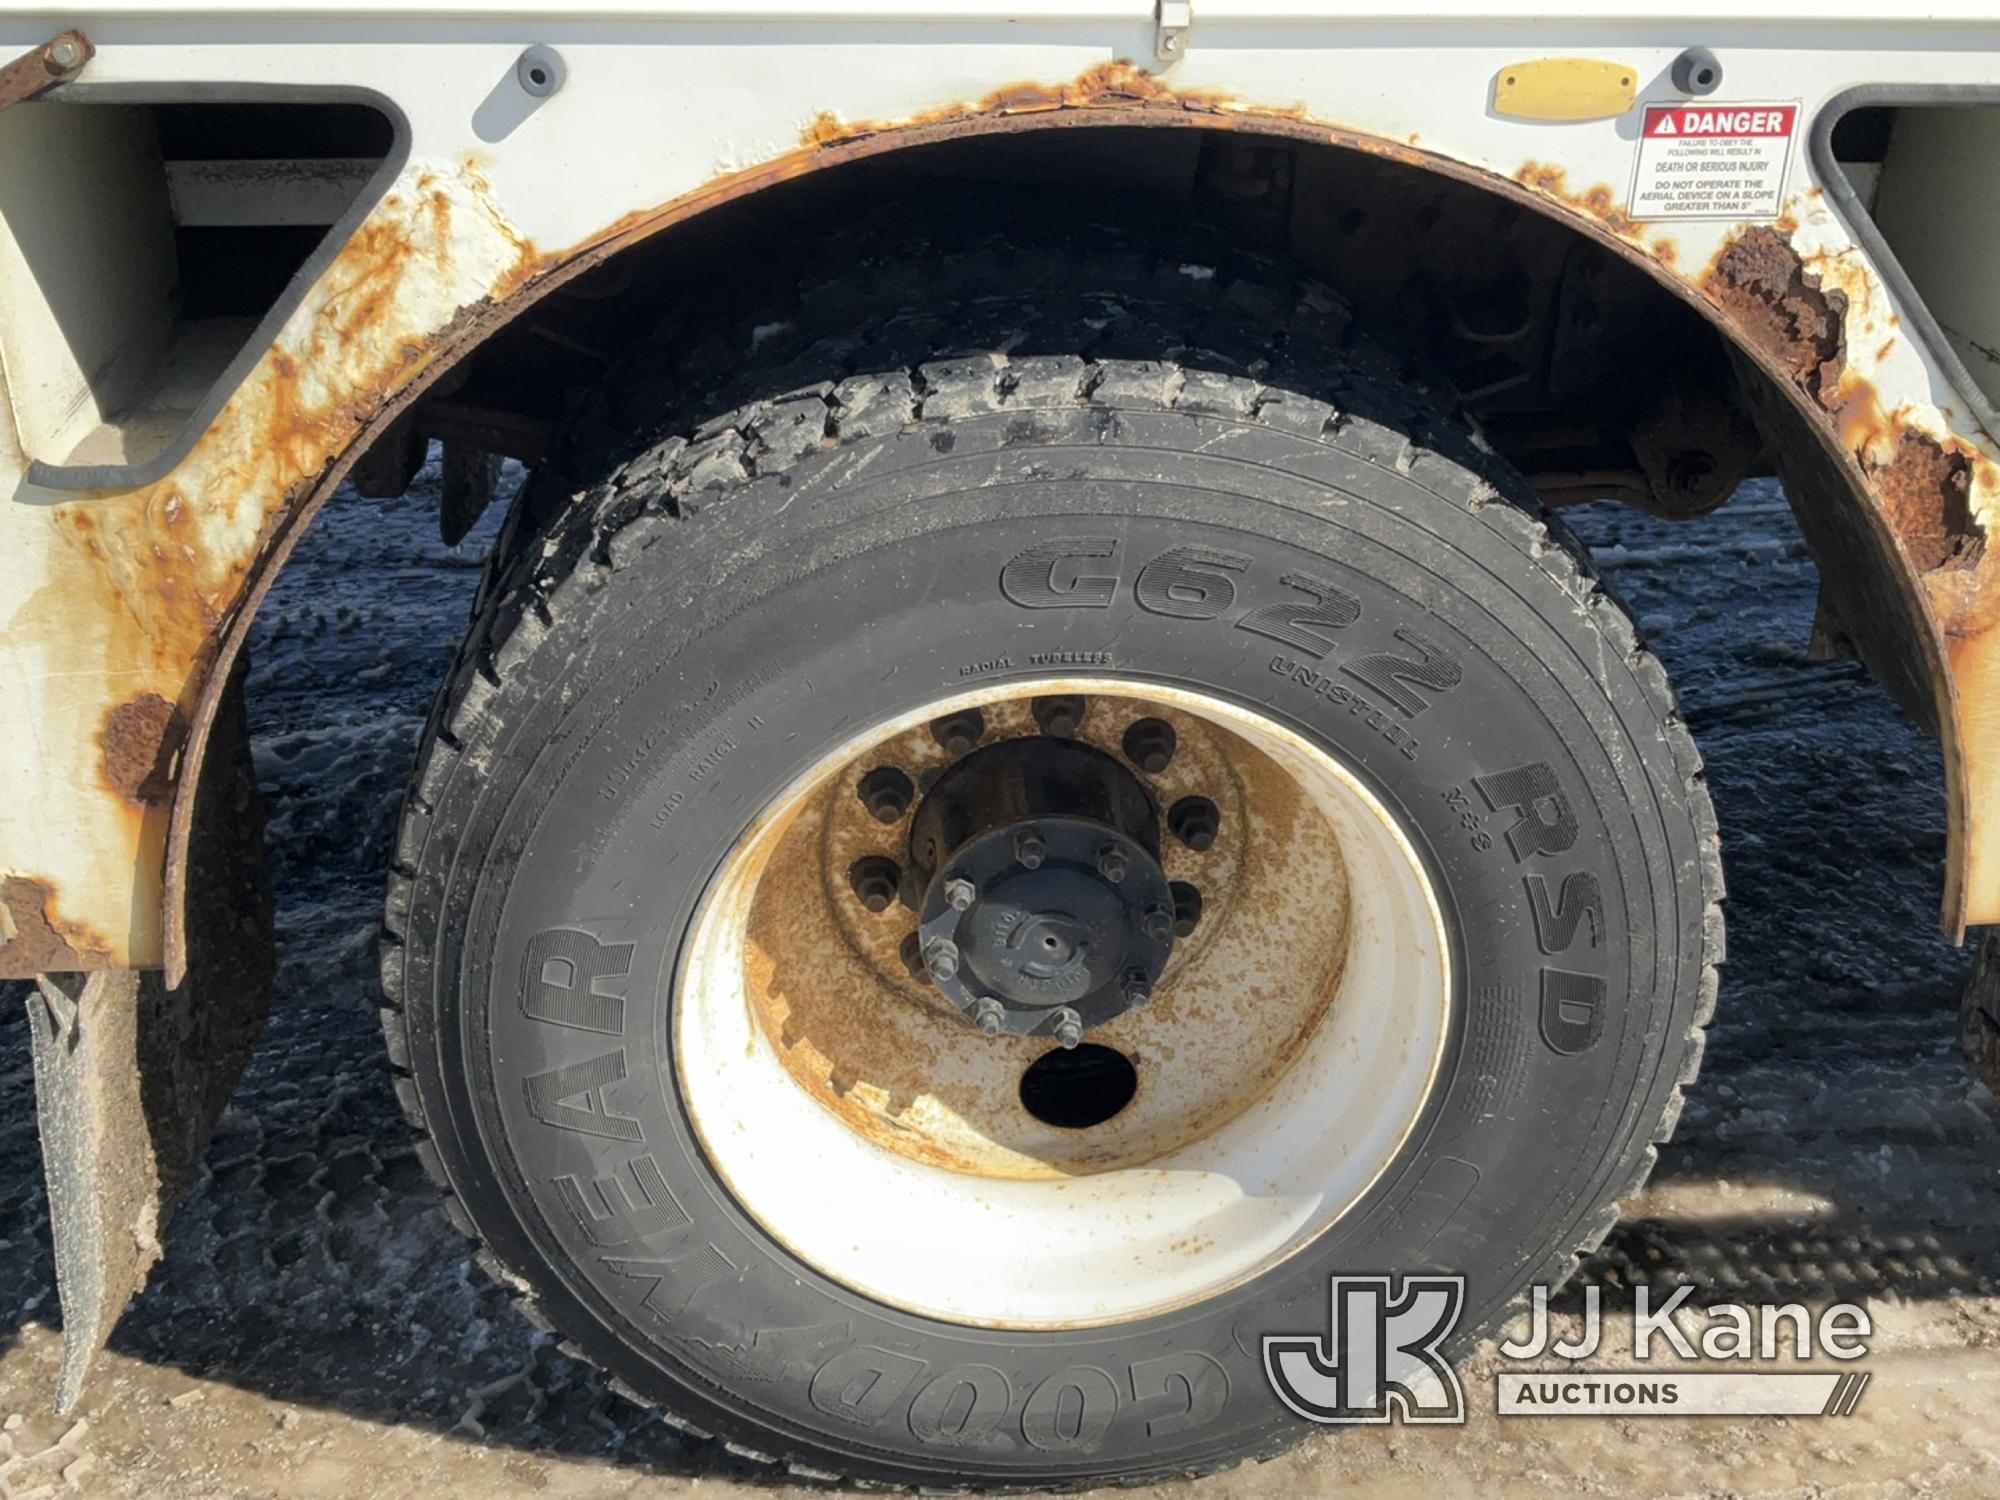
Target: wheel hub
(1045, 911)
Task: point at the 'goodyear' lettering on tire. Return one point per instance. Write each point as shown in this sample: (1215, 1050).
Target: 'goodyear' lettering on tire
(971, 1404)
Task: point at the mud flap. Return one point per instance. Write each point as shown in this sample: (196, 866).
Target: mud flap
(1979, 1013)
(130, 1076)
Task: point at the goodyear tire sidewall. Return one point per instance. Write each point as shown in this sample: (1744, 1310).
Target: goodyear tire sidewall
(676, 697)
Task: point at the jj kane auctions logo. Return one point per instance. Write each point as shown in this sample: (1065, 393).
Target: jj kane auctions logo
(1381, 1358)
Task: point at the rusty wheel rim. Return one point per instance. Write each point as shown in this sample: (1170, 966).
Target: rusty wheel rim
(1290, 1046)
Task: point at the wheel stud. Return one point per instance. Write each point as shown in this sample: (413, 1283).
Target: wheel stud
(1138, 988)
(887, 793)
(1150, 745)
(1059, 716)
(941, 959)
(1187, 907)
(912, 954)
(1195, 822)
(1069, 1029)
(960, 893)
(987, 1015)
(875, 880)
(1111, 863)
(1029, 849)
(1157, 923)
(959, 732)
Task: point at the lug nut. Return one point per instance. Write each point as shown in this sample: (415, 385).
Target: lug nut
(1157, 923)
(1187, 907)
(1150, 745)
(1138, 988)
(1059, 716)
(1195, 822)
(959, 732)
(1069, 1029)
(1029, 849)
(1111, 863)
(960, 893)
(987, 1015)
(941, 959)
(875, 880)
(887, 793)
(911, 952)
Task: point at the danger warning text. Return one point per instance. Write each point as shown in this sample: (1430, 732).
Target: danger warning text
(1713, 161)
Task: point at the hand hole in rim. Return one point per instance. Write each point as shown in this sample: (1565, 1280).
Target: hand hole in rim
(1077, 1089)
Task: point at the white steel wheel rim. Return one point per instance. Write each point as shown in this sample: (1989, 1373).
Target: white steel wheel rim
(978, 1241)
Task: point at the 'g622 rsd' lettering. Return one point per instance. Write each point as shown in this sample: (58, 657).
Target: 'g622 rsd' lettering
(1303, 613)
(1568, 911)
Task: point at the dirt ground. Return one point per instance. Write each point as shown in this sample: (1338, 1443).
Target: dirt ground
(317, 1328)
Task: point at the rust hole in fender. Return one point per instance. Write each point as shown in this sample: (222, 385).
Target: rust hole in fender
(1926, 489)
(1924, 485)
(1761, 282)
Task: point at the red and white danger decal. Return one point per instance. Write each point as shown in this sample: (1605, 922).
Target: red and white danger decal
(1713, 161)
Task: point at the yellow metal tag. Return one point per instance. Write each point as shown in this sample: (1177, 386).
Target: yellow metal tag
(1564, 88)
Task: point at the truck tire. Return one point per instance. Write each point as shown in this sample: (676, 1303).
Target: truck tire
(1139, 577)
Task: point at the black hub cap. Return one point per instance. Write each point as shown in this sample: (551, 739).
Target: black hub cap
(1045, 911)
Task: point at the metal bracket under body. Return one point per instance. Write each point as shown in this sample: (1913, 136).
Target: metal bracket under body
(1172, 21)
(57, 60)
(131, 1076)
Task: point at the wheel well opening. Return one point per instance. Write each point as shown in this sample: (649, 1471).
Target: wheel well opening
(1578, 367)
